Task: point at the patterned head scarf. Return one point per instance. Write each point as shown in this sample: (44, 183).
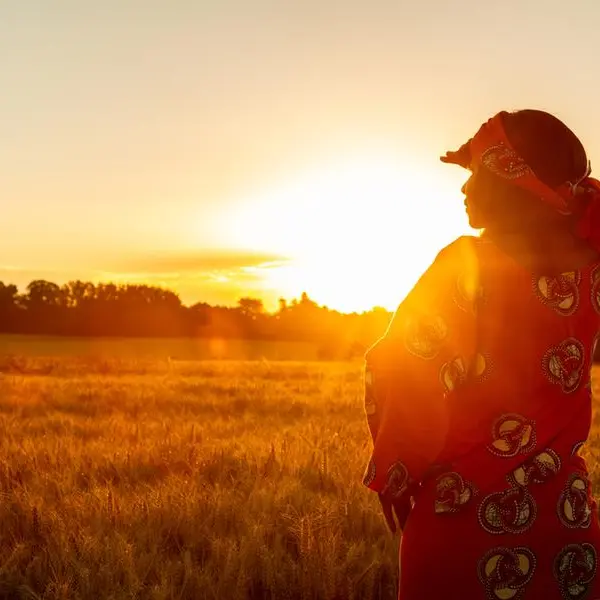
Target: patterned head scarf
(491, 148)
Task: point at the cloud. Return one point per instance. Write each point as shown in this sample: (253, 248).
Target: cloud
(215, 276)
(200, 262)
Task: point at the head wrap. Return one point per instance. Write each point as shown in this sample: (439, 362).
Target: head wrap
(491, 148)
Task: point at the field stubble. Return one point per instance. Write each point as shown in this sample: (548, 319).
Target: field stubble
(130, 479)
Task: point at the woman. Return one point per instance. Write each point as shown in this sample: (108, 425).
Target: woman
(478, 397)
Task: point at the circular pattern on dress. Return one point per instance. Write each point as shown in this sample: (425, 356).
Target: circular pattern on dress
(512, 434)
(425, 335)
(452, 493)
(574, 509)
(505, 572)
(575, 569)
(453, 373)
(564, 364)
(537, 469)
(560, 292)
(511, 511)
(396, 481)
(481, 367)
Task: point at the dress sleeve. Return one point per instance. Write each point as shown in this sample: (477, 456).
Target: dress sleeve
(427, 352)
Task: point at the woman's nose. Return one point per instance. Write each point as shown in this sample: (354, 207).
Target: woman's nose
(465, 188)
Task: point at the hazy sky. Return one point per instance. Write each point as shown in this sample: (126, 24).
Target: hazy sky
(189, 143)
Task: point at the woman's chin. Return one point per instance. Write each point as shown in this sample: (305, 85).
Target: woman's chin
(475, 222)
(474, 216)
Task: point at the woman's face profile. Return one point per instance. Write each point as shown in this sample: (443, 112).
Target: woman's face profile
(476, 199)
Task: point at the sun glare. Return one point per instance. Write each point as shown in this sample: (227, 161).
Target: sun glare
(358, 233)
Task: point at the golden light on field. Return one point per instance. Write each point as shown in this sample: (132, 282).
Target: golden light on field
(358, 232)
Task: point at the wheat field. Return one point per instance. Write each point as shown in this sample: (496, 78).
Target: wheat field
(188, 480)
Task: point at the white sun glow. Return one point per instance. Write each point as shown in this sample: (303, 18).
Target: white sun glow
(358, 233)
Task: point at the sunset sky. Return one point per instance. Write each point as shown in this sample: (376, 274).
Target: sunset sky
(264, 147)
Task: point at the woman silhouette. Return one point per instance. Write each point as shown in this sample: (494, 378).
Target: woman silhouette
(478, 396)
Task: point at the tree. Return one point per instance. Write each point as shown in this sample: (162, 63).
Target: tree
(46, 305)
(109, 309)
(8, 295)
(251, 307)
(78, 293)
(44, 293)
(9, 307)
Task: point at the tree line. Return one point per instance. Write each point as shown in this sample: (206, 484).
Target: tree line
(81, 308)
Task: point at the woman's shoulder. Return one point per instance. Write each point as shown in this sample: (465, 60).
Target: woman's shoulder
(462, 243)
(458, 263)
(463, 251)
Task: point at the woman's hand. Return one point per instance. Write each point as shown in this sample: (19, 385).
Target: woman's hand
(398, 508)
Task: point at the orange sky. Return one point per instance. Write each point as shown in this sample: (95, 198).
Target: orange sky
(263, 148)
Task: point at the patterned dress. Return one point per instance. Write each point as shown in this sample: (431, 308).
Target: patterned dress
(478, 399)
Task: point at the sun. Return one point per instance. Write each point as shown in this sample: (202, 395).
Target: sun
(358, 232)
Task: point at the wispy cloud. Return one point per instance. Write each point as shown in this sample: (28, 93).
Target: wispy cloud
(200, 262)
(215, 276)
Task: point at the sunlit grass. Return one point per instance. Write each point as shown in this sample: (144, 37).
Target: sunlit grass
(187, 480)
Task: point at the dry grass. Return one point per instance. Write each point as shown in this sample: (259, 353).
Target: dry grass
(155, 348)
(187, 480)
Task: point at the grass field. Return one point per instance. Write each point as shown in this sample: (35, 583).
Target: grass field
(155, 348)
(188, 480)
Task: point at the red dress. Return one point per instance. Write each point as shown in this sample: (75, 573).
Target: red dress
(478, 400)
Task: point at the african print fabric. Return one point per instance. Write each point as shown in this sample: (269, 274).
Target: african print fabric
(478, 400)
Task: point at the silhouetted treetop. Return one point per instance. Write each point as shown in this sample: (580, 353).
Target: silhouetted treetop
(81, 308)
